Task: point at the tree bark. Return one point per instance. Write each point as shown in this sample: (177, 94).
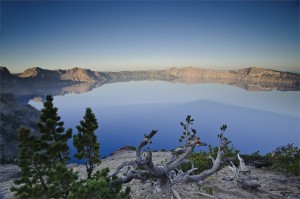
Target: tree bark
(165, 173)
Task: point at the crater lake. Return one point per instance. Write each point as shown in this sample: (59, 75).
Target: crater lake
(256, 120)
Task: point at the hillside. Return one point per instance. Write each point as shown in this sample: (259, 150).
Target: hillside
(13, 116)
(6, 75)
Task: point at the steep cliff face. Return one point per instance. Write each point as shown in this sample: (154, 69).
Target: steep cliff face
(12, 117)
(139, 75)
(74, 74)
(80, 75)
(268, 76)
(253, 78)
(40, 74)
(86, 75)
(247, 75)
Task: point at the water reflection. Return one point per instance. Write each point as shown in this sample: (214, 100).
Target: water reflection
(256, 120)
(31, 89)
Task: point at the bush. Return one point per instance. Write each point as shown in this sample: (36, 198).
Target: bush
(256, 160)
(200, 160)
(286, 159)
(98, 186)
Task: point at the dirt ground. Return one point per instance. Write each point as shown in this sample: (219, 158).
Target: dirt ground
(273, 185)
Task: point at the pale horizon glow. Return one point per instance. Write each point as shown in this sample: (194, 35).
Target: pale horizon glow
(118, 36)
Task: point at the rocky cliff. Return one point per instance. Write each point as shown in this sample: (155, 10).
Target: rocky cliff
(40, 74)
(37, 81)
(247, 75)
(80, 75)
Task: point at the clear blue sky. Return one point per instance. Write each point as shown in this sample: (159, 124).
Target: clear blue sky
(113, 36)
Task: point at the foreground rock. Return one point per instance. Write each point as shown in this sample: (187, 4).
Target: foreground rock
(8, 172)
(273, 185)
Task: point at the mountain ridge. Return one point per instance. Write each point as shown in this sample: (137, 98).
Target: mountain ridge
(185, 71)
(253, 76)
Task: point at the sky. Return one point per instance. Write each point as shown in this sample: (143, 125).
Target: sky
(132, 35)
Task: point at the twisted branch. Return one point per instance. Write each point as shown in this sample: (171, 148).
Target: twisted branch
(167, 173)
(212, 170)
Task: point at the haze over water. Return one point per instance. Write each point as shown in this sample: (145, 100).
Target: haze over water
(125, 111)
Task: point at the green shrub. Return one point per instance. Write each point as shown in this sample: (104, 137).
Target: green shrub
(200, 160)
(98, 186)
(286, 159)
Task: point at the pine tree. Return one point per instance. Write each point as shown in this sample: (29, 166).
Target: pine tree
(52, 133)
(31, 183)
(54, 141)
(61, 181)
(86, 143)
(43, 158)
(99, 187)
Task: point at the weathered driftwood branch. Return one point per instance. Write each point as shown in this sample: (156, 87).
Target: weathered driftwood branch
(140, 161)
(212, 170)
(192, 169)
(180, 159)
(134, 174)
(242, 164)
(175, 193)
(166, 173)
(143, 143)
(204, 194)
(242, 176)
(118, 169)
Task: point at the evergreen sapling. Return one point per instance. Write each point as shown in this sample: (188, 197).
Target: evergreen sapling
(86, 143)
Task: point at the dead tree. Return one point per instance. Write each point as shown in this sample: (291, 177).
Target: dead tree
(169, 173)
(242, 176)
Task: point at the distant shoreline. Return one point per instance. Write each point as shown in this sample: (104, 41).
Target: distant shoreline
(291, 70)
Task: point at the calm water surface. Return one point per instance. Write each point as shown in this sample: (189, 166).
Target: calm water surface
(259, 120)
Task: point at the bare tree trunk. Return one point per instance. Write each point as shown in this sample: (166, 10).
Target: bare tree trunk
(165, 173)
(242, 176)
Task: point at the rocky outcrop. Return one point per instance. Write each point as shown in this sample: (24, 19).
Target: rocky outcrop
(74, 74)
(80, 75)
(40, 74)
(251, 76)
(12, 117)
